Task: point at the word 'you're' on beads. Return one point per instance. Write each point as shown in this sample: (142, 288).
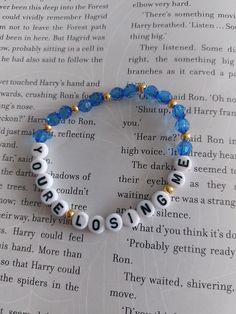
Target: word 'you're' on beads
(145, 208)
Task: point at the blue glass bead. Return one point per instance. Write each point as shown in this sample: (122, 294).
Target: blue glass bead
(184, 148)
(130, 90)
(182, 125)
(164, 97)
(85, 105)
(117, 93)
(96, 99)
(178, 112)
(151, 92)
(53, 118)
(65, 112)
(42, 136)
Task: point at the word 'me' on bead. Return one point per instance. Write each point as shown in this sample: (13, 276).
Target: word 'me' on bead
(39, 150)
(80, 220)
(183, 163)
(49, 196)
(161, 199)
(96, 224)
(59, 208)
(44, 181)
(130, 218)
(145, 208)
(114, 222)
(176, 178)
(38, 166)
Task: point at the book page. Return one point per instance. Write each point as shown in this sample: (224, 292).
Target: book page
(107, 160)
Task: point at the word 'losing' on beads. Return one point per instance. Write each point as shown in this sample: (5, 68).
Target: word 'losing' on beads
(145, 208)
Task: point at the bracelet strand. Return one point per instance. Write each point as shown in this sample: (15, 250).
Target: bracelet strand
(145, 208)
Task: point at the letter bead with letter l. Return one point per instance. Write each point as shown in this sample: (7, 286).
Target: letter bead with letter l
(80, 220)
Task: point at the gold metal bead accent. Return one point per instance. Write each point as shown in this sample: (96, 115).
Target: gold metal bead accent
(47, 127)
(106, 96)
(168, 188)
(69, 214)
(141, 87)
(172, 103)
(74, 108)
(186, 136)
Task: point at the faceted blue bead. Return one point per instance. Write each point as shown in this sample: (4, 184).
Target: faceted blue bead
(184, 148)
(151, 92)
(85, 105)
(182, 125)
(117, 93)
(164, 97)
(178, 112)
(65, 112)
(130, 90)
(96, 99)
(53, 118)
(42, 136)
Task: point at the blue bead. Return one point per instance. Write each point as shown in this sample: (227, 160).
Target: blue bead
(130, 90)
(178, 112)
(164, 97)
(182, 125)
(42, 136)
(65, 112)
(53, 118)
(96, 99)
(151, 92)
(117, 93)
(184, 148)
(85, 105)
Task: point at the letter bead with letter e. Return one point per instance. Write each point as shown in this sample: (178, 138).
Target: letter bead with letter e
(183, 163)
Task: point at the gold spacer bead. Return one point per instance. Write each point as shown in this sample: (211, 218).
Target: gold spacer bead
(69, 214)
(47, 127)
(106, 96)
(168, 188)
(172, 103)
(186, 136)
(141, 87)
(74, 108)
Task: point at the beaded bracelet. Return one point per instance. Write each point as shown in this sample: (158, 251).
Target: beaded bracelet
(145, 208)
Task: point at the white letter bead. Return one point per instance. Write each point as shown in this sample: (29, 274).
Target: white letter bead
(96, 224)
(183, 163)
(130, 218)
(59, 208)
(49, 196)
(145, 209)
(39, 150)
(176, 178)
(161, 199)
(80, 220)
(114, 222)
(44, 181)
(38, 166)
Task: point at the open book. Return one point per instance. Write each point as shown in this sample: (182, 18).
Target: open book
(181, 260)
